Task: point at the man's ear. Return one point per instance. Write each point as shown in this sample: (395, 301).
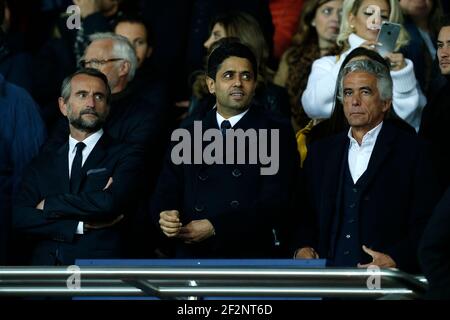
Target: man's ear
(124, 68)
(387, 105)
(62, 106)
(211, 85)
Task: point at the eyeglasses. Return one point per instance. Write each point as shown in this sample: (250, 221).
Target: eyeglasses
(94, 63)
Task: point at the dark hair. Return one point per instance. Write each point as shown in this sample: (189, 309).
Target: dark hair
(2, 11)
(66, 87)
(138, 19)
(245, 27)
(444, 22)
(226, 48)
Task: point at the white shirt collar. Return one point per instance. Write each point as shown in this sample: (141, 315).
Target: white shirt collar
(355, 41)
(369, 138)
(90, 142)
(233, 120)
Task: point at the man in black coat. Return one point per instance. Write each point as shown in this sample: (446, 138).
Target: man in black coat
(436, 114)
(72, 201)
(220, 209)
(434, 252)
(371, 190)
(133, 119)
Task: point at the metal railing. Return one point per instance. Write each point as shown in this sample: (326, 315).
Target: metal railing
(183, 282)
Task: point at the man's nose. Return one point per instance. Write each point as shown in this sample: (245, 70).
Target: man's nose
(208, 43)
(356, 100)
(444, 52)
(238, 81)
(90, 101)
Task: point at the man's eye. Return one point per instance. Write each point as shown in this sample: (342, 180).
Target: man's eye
(99, 97)
(440, 45)
(227, 75)
(327, 11)
(347, 93)
(365, 92)
(82, 95)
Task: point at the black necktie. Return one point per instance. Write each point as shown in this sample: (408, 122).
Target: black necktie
(75, 173)
(224, 126)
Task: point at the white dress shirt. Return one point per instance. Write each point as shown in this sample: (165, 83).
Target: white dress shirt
(233, 120)
(318, 97)
(359, 155)
(90, 143)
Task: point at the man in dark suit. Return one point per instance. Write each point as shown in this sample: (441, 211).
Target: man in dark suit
(434, 252)
(132, 119)
(371, 189)
(436, 114)
(72, 201)
(221, 209)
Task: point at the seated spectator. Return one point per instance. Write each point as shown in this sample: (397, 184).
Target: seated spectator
(22, 132)
(358, 30)
(360, 212)
(244, 27)
(422, 20)
(316, 37)
(147, 82)
(72, 201)
(436, 115)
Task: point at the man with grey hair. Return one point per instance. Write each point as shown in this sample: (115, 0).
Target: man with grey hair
(369, 190)
(73, 201)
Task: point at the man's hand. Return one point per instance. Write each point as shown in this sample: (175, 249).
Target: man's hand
(379, 259)
(306, 253)
(101, 225)
(40, 205)
(169, 222)
(88, 7)
(196, 231)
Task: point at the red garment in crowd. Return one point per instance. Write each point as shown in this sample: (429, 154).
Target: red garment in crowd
(285, 16)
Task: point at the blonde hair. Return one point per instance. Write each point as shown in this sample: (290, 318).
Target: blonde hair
(352, 7)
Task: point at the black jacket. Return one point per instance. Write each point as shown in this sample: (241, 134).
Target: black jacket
(53, 229)
(243, 206)
(398, 198)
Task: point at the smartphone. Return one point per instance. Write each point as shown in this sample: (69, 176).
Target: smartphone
(388, 36)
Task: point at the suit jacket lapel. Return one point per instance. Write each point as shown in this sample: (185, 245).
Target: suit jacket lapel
(62, 166)
(97, 154)
(333, 184)
(383, 147)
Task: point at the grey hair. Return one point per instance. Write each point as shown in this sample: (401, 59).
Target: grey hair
(384, 79)
(122, 48)
(66, 86)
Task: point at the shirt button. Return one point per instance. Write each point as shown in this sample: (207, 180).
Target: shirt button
(355, 190)
(346, 253)
(352, 205)
(203, 177)
(348, 236)
(351, 221)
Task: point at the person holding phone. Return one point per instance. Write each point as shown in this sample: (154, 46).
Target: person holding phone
(360, 26)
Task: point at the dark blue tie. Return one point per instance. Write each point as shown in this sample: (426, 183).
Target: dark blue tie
(75, 173)
(224, 126)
